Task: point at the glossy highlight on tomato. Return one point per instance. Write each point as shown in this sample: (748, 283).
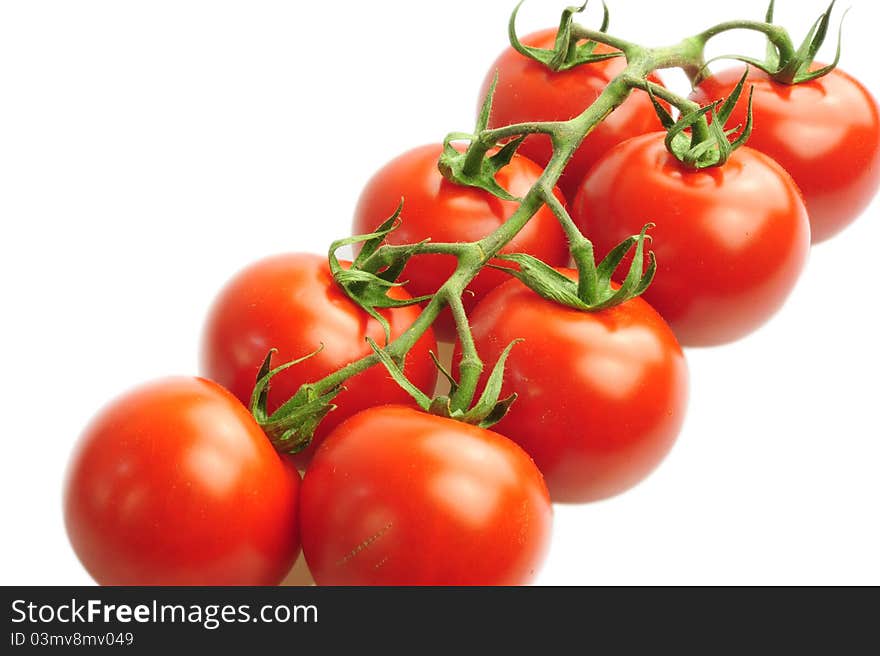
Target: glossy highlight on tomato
(174, 483)
(528, 91)
(396, 496)
(602, 395)
(442, 211)
(825, 133)
(730, 241)
(290, 302)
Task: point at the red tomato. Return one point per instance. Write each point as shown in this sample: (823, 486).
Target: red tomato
(446, 212)
(528, 91)
(396, 496)
(291, 302)
(602, 395)
(825, 133)
(730, 241)
(174, 483)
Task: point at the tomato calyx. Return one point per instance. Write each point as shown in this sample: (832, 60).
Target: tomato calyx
(567, 52)
(485, 413)
(368, 280)
(698, 143)
(475, 167)
(788, 65)
(593, 291)
(291, 427)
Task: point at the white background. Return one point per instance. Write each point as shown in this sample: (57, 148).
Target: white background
(148, 150)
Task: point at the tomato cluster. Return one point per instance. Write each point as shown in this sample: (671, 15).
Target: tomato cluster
(177, 482)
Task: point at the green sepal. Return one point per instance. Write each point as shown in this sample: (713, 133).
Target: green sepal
(498, 412)
(772, 50)
(489, 409)
(566, 53)
(453, 163)
(663, 114)
(593, 291)
(794, 68)
(292, 426)
(714, 147)
(543, 279)
(486, 412)
(368, 288)
(453, 384)
(396, 372)
(797, 69)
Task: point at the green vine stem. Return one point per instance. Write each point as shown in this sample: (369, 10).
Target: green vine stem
(471, 366)
(566, 137)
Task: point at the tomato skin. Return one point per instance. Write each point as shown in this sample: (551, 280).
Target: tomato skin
(446, 212)
(396, 496)
(730, 241)
(825, 133)
(528, 91)
(602, 395)
(174, 483)
(291, 302)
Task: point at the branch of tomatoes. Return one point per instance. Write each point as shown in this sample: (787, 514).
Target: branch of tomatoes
(695, 141)
(602, 375)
